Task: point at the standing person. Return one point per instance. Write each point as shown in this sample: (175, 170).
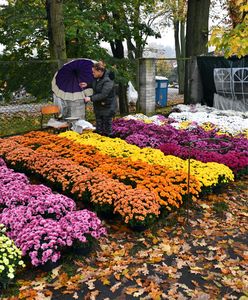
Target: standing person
(103, 98)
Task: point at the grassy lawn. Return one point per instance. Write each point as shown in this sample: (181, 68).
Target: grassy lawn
(21, 122)
(18, 123)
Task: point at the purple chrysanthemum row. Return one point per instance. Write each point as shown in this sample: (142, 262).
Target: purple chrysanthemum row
(40, 222)
(16, 190)
(207, 146)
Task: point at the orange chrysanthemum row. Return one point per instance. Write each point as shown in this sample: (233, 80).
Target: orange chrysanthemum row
(75, 179)
(169, 186)
(137, 206)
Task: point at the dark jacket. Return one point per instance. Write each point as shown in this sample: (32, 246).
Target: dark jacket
(103, 98)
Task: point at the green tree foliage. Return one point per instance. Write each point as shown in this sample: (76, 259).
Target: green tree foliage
(233, 38)
(24, 31)
(23, 28)
(163, 67)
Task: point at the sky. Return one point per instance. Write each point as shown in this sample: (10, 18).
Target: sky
(166, 40)
(167, 37)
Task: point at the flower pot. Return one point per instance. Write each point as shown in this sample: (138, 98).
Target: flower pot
(49, 266)
(82, 249)
(138, 227)
(109, 215)
(3, 285)
(104, 211)
(2, 207)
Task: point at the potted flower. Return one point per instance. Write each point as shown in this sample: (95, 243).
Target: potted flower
(8, 175)
(103, 195)
(2, 163)
(10, 258)
(17, 157)
(15, 218)
(11, 185)
(52, 206)
(42, 240)
(138, 208)
(83, 229)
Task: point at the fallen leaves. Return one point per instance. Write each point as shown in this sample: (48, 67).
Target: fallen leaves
(28, 294)
(206, 260)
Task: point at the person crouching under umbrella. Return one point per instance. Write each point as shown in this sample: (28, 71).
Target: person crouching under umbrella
(103, 98)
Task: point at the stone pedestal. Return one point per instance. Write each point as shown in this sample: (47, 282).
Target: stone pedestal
(147, 85)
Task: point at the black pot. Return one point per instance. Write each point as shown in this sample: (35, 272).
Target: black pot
(82, 249)
(49, 266)
(3, 286)
(138, 227)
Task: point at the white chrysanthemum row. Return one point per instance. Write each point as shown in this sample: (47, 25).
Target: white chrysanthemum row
(227, 121)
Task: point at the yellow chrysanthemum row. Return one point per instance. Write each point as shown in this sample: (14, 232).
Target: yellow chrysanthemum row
(208, 174)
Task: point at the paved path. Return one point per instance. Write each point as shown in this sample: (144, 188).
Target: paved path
(14, 108)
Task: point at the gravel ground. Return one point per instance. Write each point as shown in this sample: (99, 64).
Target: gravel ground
(14, 108)
(173, 99)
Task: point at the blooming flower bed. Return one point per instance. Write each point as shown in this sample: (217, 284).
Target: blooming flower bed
(228, 150)
(208, 174)
(230, 122)
(169, 186)
(62, 162)
(36, 224)
(50, 168)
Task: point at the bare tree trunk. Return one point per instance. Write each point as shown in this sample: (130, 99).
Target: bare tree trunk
(123, 99)
(118, 52)
(179, 35)
(49, 30)
(56, 30)
(130, 48)
(196, 37)
(117, 49)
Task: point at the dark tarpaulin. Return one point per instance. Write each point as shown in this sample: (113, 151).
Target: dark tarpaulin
(207, 64)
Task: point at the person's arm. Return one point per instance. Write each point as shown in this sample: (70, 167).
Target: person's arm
(106, 89)
(84, 85)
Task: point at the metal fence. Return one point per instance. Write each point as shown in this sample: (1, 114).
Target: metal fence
(26, 85)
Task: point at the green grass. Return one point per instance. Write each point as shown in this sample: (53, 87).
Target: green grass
(22, 122)
(18, 123)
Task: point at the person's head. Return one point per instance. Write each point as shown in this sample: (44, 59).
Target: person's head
(98, 69)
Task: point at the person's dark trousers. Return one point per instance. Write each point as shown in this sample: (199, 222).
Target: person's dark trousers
(104, 125)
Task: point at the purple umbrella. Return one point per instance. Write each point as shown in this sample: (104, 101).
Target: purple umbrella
(65, 83)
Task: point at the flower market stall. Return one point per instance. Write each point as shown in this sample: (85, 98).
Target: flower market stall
(138, 177)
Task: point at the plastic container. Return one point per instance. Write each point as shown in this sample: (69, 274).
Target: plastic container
(161, 90)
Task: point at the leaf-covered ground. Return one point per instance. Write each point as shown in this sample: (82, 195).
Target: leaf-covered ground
(197, 253)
